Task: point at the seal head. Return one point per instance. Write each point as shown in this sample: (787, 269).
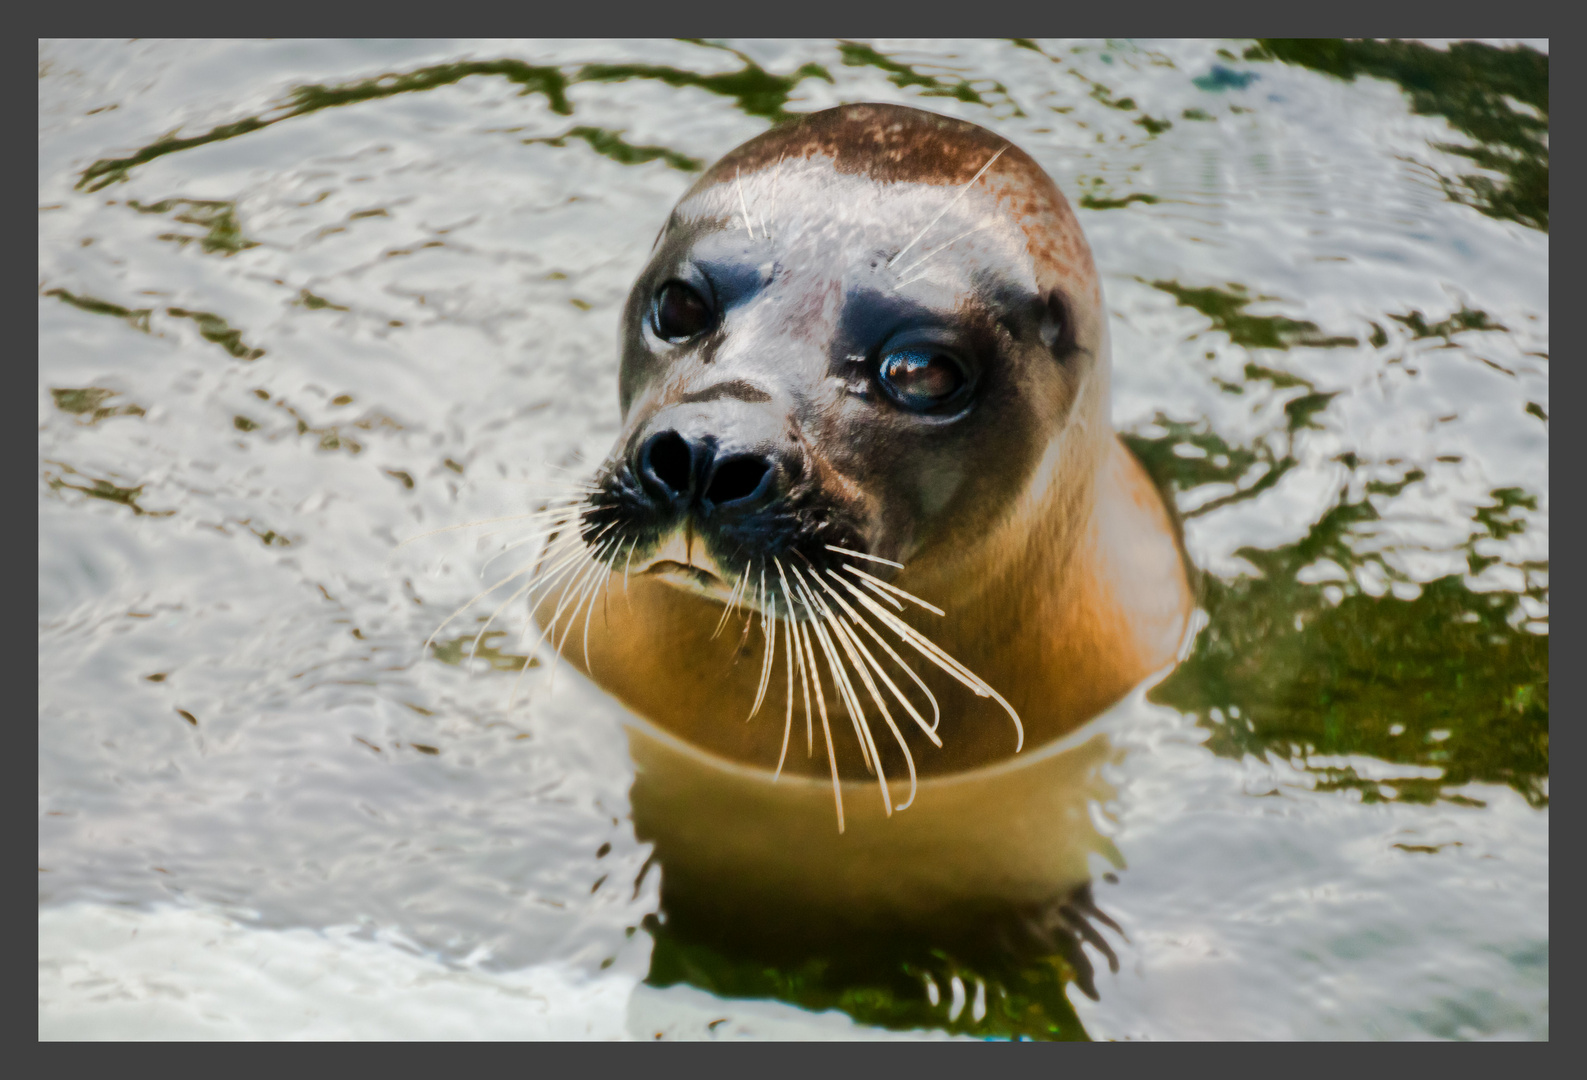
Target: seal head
(862, 329)
(864, 388)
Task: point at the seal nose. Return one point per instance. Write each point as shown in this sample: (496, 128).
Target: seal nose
(738, 482)
(667, 465)
(686, 472)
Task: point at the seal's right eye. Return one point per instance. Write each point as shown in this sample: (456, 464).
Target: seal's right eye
(680, 313)
(922, 379)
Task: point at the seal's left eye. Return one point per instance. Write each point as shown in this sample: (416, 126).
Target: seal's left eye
(921, 379)
(681, 313)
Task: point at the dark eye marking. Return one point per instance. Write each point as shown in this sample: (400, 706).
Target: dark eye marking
(679, 312)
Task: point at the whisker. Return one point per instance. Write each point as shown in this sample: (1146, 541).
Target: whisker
(787, 722)
(821, 705)
(571, 506)
(588, 578)
(768, 632)
(851, 700)
(542, 534)
(562, 565)
(931, 651)
(850, 643)
(505, 549)
(732, 599)
(550, 498)
(936, 710)
(759, 604)
(862, 555)
(897, 603)
(560, 490)
(570, 568)
(568, 481)
(805, 677)
(862, 726)
(604, 583)
(554, 484)
(582, 475)
(924, 644)
(798, 649)
(559, 559)
(464, 525)
(549, 523)
(951, 202)
(476, 599)
(554, 519)
(738, 181)
(443, 561)
(568, 564)
(895, 590)
(582, 586)
(918, 263)
(835, 670)
(473, 650)
(743, 597)
(908, 705)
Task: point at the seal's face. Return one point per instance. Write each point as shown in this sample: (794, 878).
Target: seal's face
(834, 347)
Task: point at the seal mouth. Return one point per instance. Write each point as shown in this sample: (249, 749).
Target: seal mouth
(683, 562)
(694, 574)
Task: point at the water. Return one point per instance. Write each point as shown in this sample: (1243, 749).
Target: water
(299, 301)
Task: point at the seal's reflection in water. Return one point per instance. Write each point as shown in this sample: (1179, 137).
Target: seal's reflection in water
(985, 883)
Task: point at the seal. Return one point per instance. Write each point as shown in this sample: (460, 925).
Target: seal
(867, 524)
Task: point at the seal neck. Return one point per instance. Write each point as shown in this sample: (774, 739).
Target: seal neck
(1079, 594)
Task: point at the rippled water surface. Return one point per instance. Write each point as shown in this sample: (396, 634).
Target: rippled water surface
(301, 301)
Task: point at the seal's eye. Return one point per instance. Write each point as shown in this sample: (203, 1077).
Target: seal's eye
(922, 379)
(680, 312)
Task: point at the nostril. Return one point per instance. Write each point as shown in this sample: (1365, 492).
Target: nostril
(737, 478)
(668, 460)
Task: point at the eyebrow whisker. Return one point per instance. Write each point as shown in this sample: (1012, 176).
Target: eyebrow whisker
(738, 181)
(951, 203)
(918, 263)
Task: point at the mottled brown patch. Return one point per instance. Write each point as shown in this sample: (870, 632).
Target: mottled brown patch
(887, 143)
(899, 144)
